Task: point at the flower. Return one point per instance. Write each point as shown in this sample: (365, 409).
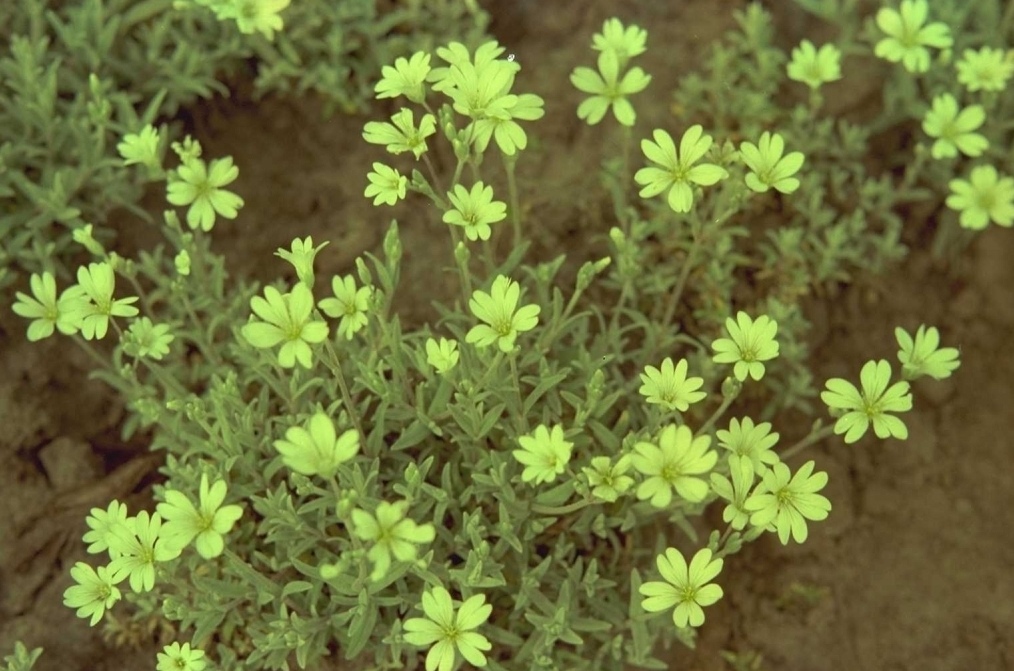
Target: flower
(254, 15)
(744, 439)
(474, 210)
(391, 534)
(625, 42)
(677, 172)
(985, 196)
(544, 455)
(735, 492)
(673, 463)
(497, 309)
(102, 523)
(443, 356)
(670, 387)
(607, 90)
(141, 148)
(301, 257)
(348, 303)
(46, 311)
(769, 169)
(286, 320)
(387, 184)
(200, 188)
(93, 593)
(953, 129)
(750, 343)
(207, 523)
(481, 89)
(907, 37)
(922, 356)
(138, 546)
(317, 449)
(870, 405)
(814, 67)
(499, 122)
(175, 657)
(445, 632)
(406, 78)
(685, 587)
(98, 283)
(144, 339)
(787, 504)
(986, 69)
(607, 478)
(402, 135)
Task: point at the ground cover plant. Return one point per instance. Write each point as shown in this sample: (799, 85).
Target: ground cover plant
(508, 486)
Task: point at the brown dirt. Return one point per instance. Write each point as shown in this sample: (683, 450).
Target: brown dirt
(912, 569)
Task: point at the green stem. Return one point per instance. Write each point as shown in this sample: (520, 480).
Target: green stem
(335, 365)
(677, 293)
(463, 271)
(517, 391)
(512, 190)
(814, 437)
(726, 402)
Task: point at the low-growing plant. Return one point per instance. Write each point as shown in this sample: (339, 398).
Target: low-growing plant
(521, 484)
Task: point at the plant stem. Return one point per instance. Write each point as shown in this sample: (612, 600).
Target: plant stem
(554, 511)
(815, 436)
(726, 402)
(335, 365)
(517, 391)
(512, 190)
(677, 293)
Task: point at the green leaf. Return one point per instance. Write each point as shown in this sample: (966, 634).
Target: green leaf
(295, 587)
(412, 436)
(362, 627)
(545, 385)
(605, 436)
(490, 420)
(556, 496)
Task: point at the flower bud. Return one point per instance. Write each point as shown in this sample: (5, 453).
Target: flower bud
(462, 255)
(83, 236)
(182, 263)
(731, 388)
(589, 270)
(392, 244)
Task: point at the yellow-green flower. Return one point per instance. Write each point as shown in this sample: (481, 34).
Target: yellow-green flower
(908, 35)
(504, 321)
(287, 320)
(391, 533)
(984, 197)
(317, 449)
(986, 69)
(401, 135)
(783, 502)
(387, 185)
(686, 588)
(446, 632)
(675, 172)
(94, 592)
(674, 463)
(196, 185)
(750, 343)
(544, 454)
(871, 405)
(670, 387)
(813, 66)
(769, 169)
(954, 128)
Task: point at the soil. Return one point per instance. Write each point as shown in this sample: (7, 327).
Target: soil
(912, 570)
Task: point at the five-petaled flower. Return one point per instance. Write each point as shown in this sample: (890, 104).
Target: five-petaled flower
(675, 462)
(625, 41)
(348, 303)
(387, 185)
(670, 387)
(750, 343)
(391, 533)
(986, 69)
(608, 478)
(138, 545)
(94, 592)
(446, 632)
(443, 355)
(985, 196)
(175, 657)
(923, 355)
(474, 210)
(504, 320)
(206, 523)
(753, 442)
(908, 37)
(544, 453)
(317, 449)
(196, 185)
(608, 90)
(676, 171)
(954, 129)
(141, 147)
(686, 588)
(147, 340)
(871, 405)
(783, 502)
(98, 282)
(406, 78)
(813, 66)
(254, 15)
(769, 169)
(401, 135)
(286, 319)
(301, 257)
(48, 312)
